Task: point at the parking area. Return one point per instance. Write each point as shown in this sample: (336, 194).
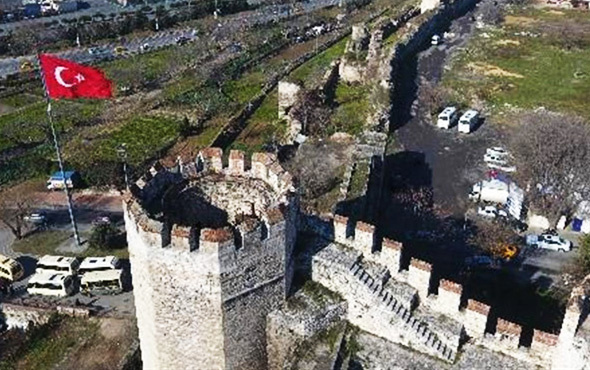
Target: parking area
(426, 204)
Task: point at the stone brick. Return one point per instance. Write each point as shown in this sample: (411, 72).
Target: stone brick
(543, 338)
(364, 238)
(391, 253)
(449, 297)
(419, 277)
(476, 318)
(203, 301)
(236, 163)
(508, 328)
(260, 163)
(340, 229)
(212, 159)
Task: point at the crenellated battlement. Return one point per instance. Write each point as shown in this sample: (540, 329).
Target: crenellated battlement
(184, 209)
(474, 316)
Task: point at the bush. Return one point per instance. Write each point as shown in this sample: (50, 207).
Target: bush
(103, 236)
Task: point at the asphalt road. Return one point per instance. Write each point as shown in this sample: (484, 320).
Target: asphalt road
(228, 25)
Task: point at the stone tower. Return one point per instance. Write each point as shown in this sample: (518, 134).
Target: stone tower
(210, 250)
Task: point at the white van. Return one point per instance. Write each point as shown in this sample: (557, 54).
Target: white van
(447, 118)
(51, 283)
(90, 264)
(10, 269)
(102, 282)
(58, 264)
(468, 121)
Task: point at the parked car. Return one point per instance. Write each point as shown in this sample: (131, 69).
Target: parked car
(447, 118)
(26, 66)
(181, 40)
(480, 262)
(468, 121)
(96, 51)
(56, 181)
(119, 50)
(548, 241)
(497, 151)
(494, 158)
(101, 220)
(491, 212)
(36, 218)
(145, 47)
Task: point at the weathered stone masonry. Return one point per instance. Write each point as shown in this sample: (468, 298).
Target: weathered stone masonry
(210, 250)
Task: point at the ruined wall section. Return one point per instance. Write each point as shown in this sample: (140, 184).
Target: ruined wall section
(299, 319)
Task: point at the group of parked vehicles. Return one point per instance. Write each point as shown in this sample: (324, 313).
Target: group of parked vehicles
(59, 276)
(466, 123)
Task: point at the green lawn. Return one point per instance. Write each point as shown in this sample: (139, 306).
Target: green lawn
(144, 137)
(358, 180)
(549, 69)
(315, 68)
(19, 100)
(353, 106)
(144, 67)
(246, 87)
(30, 124)
(262, 126)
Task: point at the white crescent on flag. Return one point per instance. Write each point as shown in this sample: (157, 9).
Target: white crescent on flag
(58, 70)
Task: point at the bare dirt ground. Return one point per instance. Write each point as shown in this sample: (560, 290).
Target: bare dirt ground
(105, 349)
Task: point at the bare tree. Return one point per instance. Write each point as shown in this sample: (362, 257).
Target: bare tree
(319, 166)
(551, 153)
(14, 207)
(313, 114)
(492, 236)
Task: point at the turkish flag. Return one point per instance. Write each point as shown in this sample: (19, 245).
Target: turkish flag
(69, 80)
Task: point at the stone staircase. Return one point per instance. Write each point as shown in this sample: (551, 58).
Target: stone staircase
(412, 324)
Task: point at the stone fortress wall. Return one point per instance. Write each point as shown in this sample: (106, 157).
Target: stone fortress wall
(401, 306)
(202, 281)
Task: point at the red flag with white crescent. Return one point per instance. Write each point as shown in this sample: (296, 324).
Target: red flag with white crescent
(69, 80)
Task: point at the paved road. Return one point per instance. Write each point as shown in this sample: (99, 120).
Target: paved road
(105, 7)
(228, 25)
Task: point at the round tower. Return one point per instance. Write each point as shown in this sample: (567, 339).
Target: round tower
(210, 250)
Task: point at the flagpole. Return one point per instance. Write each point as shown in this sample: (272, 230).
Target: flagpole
(58, 152)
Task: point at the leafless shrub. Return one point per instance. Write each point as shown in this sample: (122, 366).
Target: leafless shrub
(318, 165)
(313, 114)
(551, 153)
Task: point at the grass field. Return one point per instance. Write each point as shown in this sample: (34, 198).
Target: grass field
(353, 106)
(29, 124)
(46, 345)
(538, 58)
(314, 69)
(262, 127)
(46, 242)
(144, 136)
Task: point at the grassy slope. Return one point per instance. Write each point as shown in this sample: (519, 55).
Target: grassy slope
(50, 343)
(555, 67)
(353, 106)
